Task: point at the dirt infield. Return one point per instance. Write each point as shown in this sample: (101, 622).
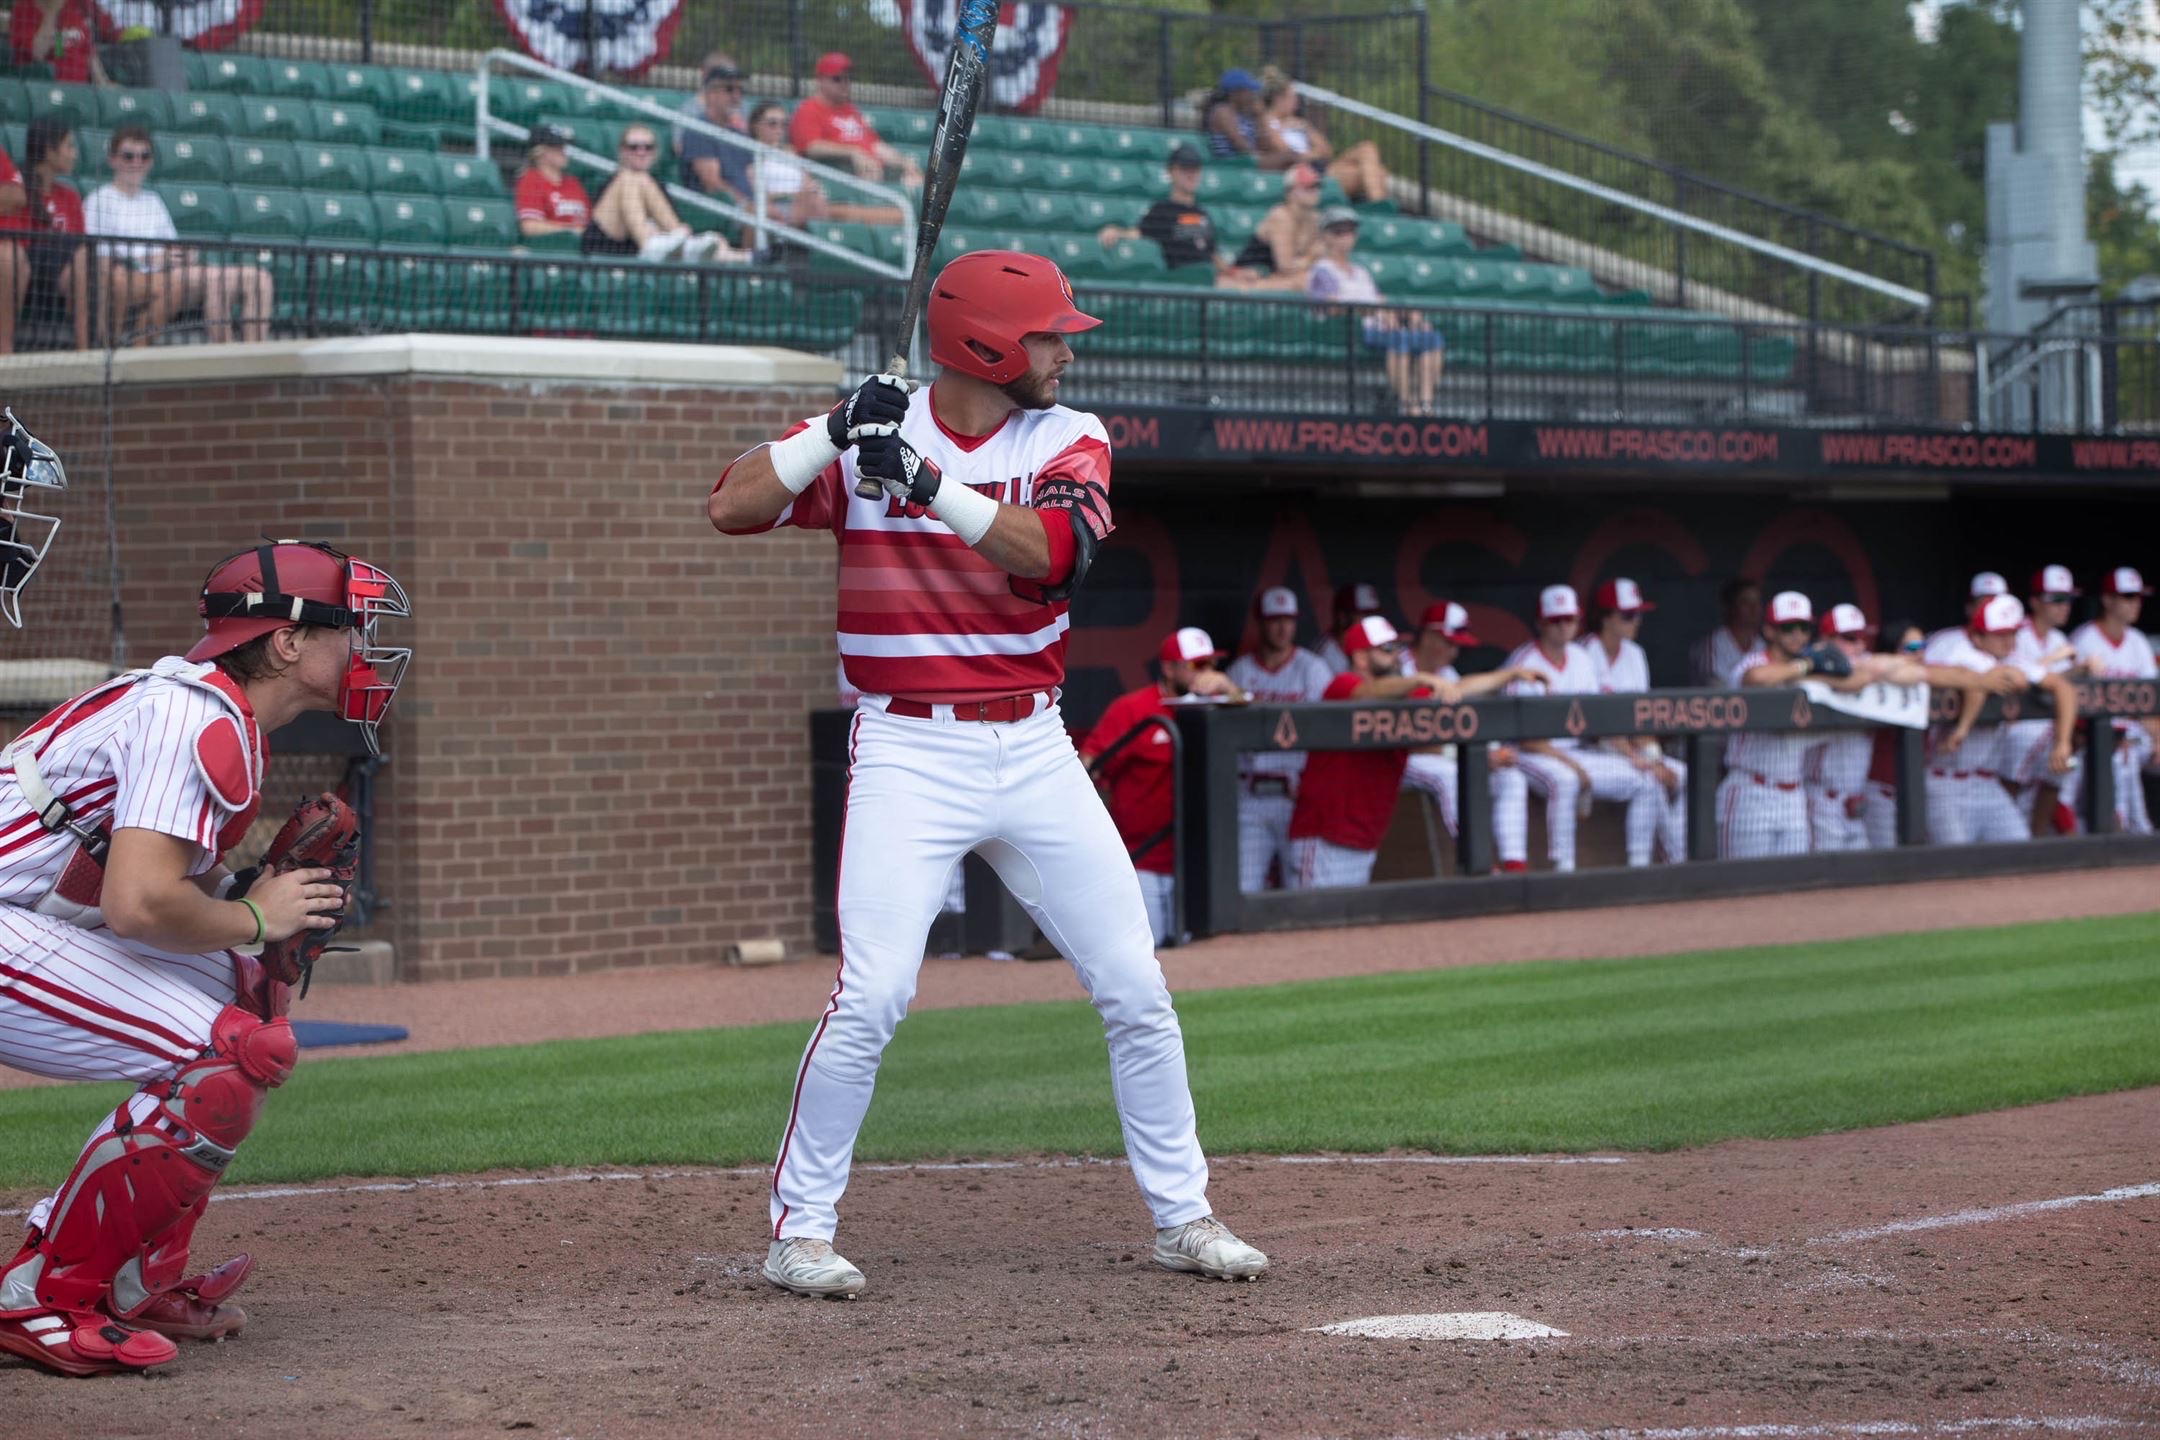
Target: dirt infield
(1748, 1284)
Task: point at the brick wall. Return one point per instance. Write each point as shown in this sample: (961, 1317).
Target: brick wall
(600, 755)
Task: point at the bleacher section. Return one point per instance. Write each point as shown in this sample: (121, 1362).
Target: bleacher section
(354, 157)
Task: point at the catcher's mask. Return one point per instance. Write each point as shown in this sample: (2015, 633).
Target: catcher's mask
(304, 582)
(25, 535)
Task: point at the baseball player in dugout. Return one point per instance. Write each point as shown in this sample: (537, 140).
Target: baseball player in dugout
(129, 952)
(2112, 647)
(1761, 806)
(1966, 799)
(2043, 649)
(1621, 668)
(1137, 777)
(1276, 672)
(1352, 603)
(954, 583)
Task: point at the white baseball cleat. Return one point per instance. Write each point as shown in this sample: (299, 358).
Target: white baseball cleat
(1206, 1247)
(810, 1267)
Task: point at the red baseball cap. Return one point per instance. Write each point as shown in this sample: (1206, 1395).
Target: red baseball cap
(1371, 633)
(1622, 595)
(833, 64)
(1451, 620)
(1299, 175)
(1188, 643)
(2122, 580)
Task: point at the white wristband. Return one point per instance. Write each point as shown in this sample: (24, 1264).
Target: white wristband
(797, 460)
(968, 513)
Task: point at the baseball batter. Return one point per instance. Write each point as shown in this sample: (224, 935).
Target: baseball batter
(127, 952)
(952, 619)
(1568, 773)
(27, 467)
(2111, 647)
(1966, 800)
(1277, 673)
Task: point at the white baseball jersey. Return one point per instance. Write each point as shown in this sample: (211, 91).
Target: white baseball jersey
(1982, 748)
(2032, 649)
(2105, 659)
(1299, 679)
(1779, 756)
(1942, 643)
(1571, 674)
(1714, 656)
(1627, 673)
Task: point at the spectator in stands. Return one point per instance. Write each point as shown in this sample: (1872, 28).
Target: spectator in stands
(1620, 667)
(1287, 138)
(1179, 226)
(58, 265)
(719, 168)
(1136, 780)
(1230, 115)
(145, 266)
(633, 216)
(59, 34)
(826, 126)
(1711, 659)
(1412, 347)
(14, 259)
(792, 194)
(550, 200)
(1443, 633)
(1287, 241)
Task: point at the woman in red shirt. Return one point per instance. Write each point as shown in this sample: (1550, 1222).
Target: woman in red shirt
(58, 33)
(58, 261)
(550, 200)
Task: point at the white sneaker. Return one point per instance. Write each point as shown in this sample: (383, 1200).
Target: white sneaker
(810, 1267)
(664, 245)
(1206, 1247)
(698, 247)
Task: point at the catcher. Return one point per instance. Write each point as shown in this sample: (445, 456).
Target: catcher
(127, 952)
(27, 464)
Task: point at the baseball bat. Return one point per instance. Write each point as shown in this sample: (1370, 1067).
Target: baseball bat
(967, 70)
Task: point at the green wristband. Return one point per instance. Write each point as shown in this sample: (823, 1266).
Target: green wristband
(256, 911)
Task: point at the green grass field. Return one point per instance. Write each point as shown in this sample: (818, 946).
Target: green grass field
(1605, 1055)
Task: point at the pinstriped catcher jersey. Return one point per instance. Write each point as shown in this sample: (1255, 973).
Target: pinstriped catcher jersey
(922, 615)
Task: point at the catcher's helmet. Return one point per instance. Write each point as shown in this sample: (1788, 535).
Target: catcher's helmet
(26, 463)
(301, 582)
(985, 302)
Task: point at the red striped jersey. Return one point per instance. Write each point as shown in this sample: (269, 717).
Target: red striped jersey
(159, 750)
(920, 614)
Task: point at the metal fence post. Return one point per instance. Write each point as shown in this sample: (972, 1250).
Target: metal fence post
(1424, 102)
(1473, 810)
(797, 48)
(1164, 85)
(2100, 742)
(1910, 771)
(367, 29)
(1705, 754)
(1679, 201)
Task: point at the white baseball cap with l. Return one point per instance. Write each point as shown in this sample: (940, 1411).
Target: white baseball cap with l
(1622, 595)
(2001, 615)
(1845, 620)
(1790, 607)
(1558, 602)
(1277, 600)
(1371, 633)
(2054, 580)
(2122, 580)
(1188, 643)
(1987, 583)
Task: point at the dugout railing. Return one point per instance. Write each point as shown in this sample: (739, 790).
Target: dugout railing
(1700, 721)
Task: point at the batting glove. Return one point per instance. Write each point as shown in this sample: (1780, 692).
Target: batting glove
(882, 455)
(879, 400)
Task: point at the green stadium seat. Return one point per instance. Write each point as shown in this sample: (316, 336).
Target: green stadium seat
(363, 85)
(1388, 273)
(1572, 285)
(300, 79)
(1145, 148)
(198, 211)
(92, 165)
(14, 100)
(339, 215)
(411, 292)
(908, 128)
(481, 224)
(337, 289)
(1523, 282)
(847, 234)
(1476, 278)
(193, 67)
(189, 157)
(1007, 171)
(275, 118)
(976, 205)
(1079, 256)
(234, 74)
(152, 109)
(525, 99)
(555, 242)
(1425, 275)
(475, 293)
(1130, 262)
(76, 104)
(1235, 223)
(265, 213)
(403, 172)
(263, 162)
(468, 175)
(426, 96)
(551, 298)
(334, 167)
(1125, 177)
(345, 123)
(1074, 176)
(1073, 142)
(1220, 185)
(1048, 210)
(204, 113)
(1092, 212)
(410, 220)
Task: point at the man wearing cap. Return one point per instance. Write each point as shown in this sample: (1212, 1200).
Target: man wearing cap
(1277, 672)
(719, 168)
(1711, 659)
(1443, 633)
(2113, 648)
(1346, 797)
(1568, 772)
(1351, 604)
(1836, 767)
(548, 198)
(1231, 115)
(1179, 226)
(826, 126)
(2043, 648)
(1761, 808)
(1621, 667)
(1136, 780)
(1948, 641)
(1966, 800)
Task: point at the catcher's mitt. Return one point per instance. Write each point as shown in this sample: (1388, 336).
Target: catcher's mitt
(323, 834)
(1827, 660)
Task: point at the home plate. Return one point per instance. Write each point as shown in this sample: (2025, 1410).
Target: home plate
(1461, 1325)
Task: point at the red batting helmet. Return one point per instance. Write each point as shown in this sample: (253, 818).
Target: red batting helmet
(985, 302)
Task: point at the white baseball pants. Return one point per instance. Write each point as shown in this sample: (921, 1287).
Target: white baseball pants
(1612, 777)
(1759, 817)
(1837, 820)
(1972, 808)
(1263, 836)
(1317, 864)
(1159, 892)
(921, 793)
(1439, 777)
(1878, 814)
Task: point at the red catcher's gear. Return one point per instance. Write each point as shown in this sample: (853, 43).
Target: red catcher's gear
(301, 582)
(986, 302)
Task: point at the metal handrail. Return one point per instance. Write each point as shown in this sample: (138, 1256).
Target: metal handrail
(1177, 812)
(758, 217)
(1904, 294)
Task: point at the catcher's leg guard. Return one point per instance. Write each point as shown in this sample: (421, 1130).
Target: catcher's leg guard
(116, 1237)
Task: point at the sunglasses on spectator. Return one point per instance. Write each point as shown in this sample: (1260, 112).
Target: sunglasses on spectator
(1913, 647)
(1791, 625)
(638, 146)
(2055, 599)
(131, 154)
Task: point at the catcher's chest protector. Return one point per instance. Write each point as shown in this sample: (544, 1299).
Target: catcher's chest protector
(228, 754)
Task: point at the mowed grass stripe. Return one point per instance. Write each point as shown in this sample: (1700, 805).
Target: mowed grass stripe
(1637, 1054)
